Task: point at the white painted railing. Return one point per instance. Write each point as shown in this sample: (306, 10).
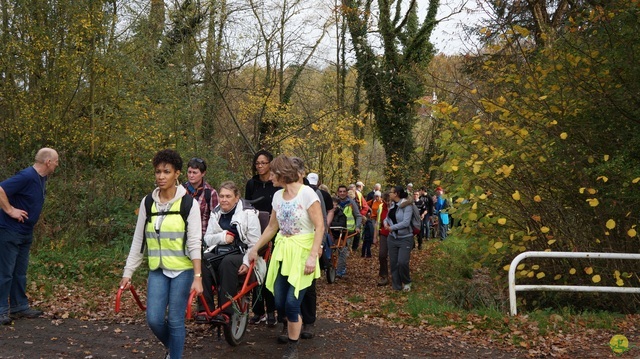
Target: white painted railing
(564, 288)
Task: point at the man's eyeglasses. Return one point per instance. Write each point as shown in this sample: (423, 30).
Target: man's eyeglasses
(258, 164)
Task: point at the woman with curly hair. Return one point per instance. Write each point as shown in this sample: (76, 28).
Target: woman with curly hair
(174, 253)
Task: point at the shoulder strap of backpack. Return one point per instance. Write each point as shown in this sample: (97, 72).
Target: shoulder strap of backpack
(207, 198)
(185, 208)
(148, 203)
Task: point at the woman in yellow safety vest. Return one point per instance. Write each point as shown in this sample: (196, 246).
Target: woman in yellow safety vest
(173, 251)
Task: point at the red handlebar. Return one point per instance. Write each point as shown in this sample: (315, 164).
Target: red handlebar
(135, 296)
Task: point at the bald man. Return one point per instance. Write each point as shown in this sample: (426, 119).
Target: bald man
(21, 201)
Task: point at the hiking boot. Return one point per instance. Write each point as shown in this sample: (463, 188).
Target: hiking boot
(383, 281)
(271, 320)
(27, 313)
(5, 319)
(257, 319)
(307, 331)
(292, 351)
(283, 338)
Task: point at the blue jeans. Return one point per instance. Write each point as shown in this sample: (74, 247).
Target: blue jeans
(426, 222)
(286, 301)
(166, 304)
(343, 254)
(444, 228)
(14, 261)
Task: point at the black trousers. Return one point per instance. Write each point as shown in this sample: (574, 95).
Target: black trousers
(226, 280)
(309, 305)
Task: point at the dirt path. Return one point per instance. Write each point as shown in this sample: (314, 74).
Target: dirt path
(72, 338)
(350, 324)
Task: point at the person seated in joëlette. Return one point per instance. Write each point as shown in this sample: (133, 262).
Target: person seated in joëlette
(231, 223)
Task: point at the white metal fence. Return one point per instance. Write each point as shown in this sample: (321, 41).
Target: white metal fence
(513, 288)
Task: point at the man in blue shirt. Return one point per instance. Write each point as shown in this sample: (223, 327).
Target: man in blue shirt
(21, 201)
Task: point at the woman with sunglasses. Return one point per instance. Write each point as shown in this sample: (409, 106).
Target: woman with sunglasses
(260, 190)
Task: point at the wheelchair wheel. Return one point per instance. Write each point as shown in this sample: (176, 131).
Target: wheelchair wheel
(331, 274)
(234, 331)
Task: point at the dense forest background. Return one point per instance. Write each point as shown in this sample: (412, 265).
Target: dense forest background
(534, 134)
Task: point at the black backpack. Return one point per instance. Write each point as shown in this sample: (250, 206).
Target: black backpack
(185, 207)
(339, 218)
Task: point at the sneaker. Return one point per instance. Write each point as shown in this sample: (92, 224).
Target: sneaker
(27, 313)
(257, 319)
(383, 281)
(407, 287)
(5, 319)
(307, 331)
(283, 338)
(292, 351)
(271, 320)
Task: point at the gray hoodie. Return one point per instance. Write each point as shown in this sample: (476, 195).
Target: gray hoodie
(404, 213)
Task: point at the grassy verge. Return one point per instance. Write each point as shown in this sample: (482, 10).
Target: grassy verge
(452, 293)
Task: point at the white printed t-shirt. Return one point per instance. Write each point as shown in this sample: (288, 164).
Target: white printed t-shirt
(292, 215)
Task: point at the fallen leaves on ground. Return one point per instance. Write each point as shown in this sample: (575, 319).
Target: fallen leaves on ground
(357, 301)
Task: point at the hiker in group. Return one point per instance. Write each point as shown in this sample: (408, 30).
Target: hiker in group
(260, 190)
(426, 214)
(383, 253)
(364, 210)
(375, 204)
(418, 201)
(200, 189)
(400, 240)
(21, 199)
(441, 206)
(367, 226)
(297, 219)
(308, 307)
(207, 198)
(410, 188)
(354, 222)
(169, 226)
(376, 187)
(236, 225)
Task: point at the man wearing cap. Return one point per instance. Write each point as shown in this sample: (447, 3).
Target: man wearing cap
(441, 207)
(410, 188)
